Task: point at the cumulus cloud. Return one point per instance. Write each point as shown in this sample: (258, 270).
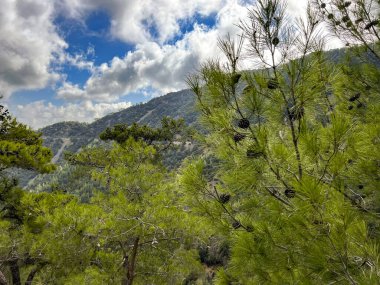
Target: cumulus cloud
(29, 43)
(70, 91)
(161, 59)
(39, 113)
(78, 60)
(137, 21)
(297, 8)
(30, 46)
(163, 67)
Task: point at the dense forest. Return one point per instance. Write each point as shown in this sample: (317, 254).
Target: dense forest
(283, 187)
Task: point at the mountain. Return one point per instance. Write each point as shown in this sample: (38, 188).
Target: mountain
(71, 136)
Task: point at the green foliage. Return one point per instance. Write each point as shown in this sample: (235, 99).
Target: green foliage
(169, 129)
(68, 178)
(121, 133)
(297, 165)
(21, 147)
(140, 204)
(135, 228)
(285, 191)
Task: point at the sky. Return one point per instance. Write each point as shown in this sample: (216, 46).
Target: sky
(78, 60)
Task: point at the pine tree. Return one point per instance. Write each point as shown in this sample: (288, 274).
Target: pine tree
(295, 211)
(19, 147)
(145, 231)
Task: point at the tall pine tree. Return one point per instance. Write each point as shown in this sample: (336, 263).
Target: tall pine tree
(287, 191)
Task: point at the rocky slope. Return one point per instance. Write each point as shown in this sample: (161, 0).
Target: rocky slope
(71, 136)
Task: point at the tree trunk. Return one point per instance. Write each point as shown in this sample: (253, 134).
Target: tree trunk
(3, 280)
(129, 264)
(33, 273)
(15, 270)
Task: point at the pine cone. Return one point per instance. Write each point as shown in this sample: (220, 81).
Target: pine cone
(252, 153)
(371, 24)
(272, 84)
(243, 123)
(290, 193)
(275, 41)
(238, 137)
(236, 225)
(354, 98)
(249, 229)
(224, 198)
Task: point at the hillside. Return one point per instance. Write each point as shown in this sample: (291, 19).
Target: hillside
(71, 136)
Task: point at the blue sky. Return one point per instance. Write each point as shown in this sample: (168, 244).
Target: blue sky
(63, 60)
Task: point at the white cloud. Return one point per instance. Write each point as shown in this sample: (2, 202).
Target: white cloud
(30, 47)
(29, 44)
(70, 91)
(137, 21)
(39, 114)
(163, 67)
(297, 8)
(79, 60)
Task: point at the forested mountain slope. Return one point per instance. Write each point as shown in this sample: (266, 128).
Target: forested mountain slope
(73, 135)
